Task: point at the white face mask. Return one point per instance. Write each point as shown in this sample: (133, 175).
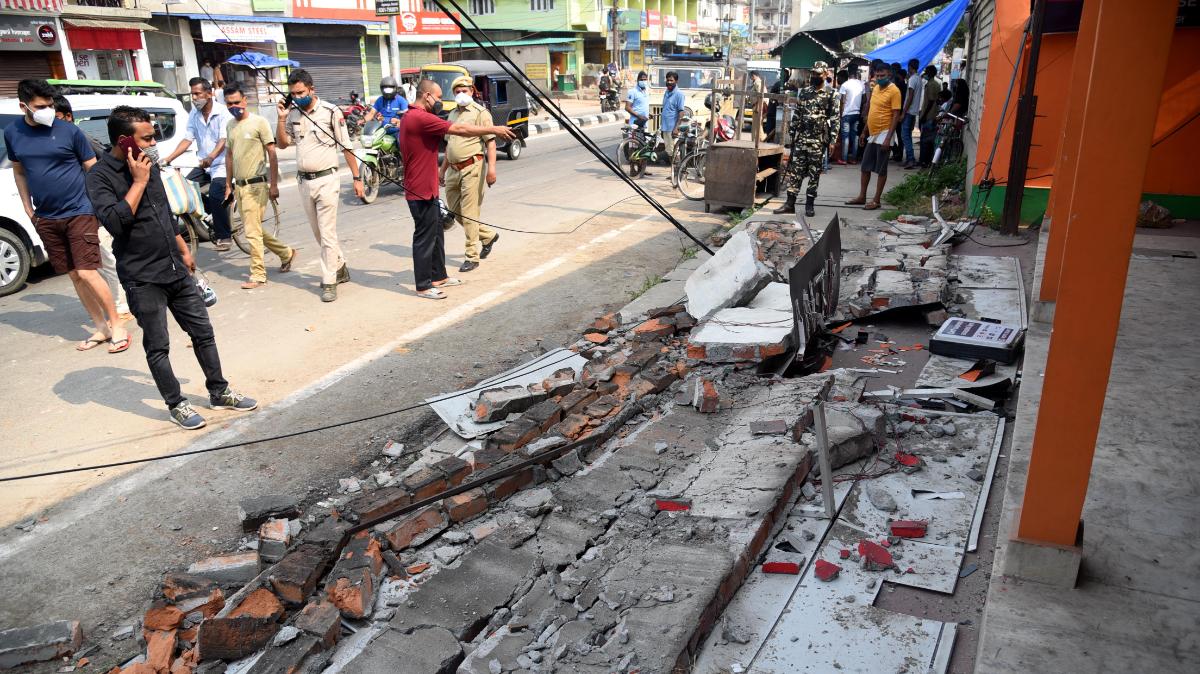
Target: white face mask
(388, 91)
(44, 116)
(463, 99)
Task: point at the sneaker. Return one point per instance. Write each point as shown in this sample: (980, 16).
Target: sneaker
(287, 266)
(228, 400)
(186, 417)
(469, 265)
(222, 245)
(343, 274)
(487, 247)
(328, 292)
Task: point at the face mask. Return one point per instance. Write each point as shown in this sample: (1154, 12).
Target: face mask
(388, 92)
(151, 152)
(200, 101)
(883, 81)
(237, 112)
(816, 82)
(670, 86)
(642, 85)
(302, 101)
(463, 99)
(45, 116)
(435, 107)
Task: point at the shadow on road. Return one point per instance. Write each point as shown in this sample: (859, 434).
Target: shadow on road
(63, 316)
(119, 388)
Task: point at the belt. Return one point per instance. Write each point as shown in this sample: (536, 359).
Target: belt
(316, 174)
(242, 182)
(460, 165)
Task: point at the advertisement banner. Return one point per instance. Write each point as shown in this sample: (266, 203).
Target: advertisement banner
(28, 33)
(633, 40)
(654, 27)
(669, 31)
(425, 27)
(628, 19)
(241, 31)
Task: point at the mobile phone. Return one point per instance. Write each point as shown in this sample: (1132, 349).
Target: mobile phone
(130, 146)
(228, 200)
(287, 101)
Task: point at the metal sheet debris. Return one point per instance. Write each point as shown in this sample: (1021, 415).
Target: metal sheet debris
(981, 504)
(455, 408)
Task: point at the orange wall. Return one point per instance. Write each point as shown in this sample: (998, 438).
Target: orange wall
(1172, 162)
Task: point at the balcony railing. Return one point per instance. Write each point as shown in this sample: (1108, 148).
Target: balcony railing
(114, 4)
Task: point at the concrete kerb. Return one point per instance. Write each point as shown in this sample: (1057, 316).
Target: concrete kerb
(538, 128)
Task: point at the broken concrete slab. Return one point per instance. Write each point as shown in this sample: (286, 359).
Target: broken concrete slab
(21, 645)
(425, 650)
(741, 334)
(232, 569)
(730, 278)
(663, 294)
(254, 511)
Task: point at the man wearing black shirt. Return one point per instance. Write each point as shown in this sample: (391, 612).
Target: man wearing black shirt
(154, 263)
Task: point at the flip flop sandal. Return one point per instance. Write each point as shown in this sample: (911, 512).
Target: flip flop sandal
(90, 343)
(120, 345)
(447, 283)
(287, 266)
(873, 206)
(856, 202)
(432, 294)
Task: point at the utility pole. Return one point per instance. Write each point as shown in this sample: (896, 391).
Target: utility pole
(394, 47)
(1018, 163)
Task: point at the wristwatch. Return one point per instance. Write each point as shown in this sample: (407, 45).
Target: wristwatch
(358, 178)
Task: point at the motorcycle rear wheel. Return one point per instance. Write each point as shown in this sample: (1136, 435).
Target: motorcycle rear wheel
(370, 180)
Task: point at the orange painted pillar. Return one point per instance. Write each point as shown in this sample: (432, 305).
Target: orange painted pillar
(1063, 189)
(1125, 73)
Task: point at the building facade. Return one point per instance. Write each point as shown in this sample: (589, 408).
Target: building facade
(774, 21)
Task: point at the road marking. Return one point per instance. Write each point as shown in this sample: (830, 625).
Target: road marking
(79, 507)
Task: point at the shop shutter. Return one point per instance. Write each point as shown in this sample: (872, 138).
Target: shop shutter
(333, 62)
(374, 67)
(16, 66)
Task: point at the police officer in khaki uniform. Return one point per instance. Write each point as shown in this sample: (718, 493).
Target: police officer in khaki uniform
(469, 162)
(318, 129)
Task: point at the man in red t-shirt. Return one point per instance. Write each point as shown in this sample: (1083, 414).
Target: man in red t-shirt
(421, 133)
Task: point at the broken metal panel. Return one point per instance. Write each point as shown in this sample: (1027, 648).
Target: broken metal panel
(943, 371)
(814, 283)
(455, 408)
(981, 504)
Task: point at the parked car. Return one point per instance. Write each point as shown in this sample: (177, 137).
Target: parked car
(21, 248)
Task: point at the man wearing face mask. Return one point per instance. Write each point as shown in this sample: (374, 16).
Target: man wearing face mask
(421, 134)
(883, 107)
(637, 104)
(469, 164)
(49, 157)
(672, 107)
(154, 264)
(810, 133)
(206, 128)
(318, 129)
(390, 106)
(253, 179)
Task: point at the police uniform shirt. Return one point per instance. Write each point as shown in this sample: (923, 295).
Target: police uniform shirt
(461, 148)
(313, 135)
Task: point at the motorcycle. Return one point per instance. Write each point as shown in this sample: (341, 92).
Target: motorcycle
(610, 99)
(380, 161)
(354, 112)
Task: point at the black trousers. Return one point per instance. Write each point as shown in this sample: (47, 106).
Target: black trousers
(149, 303)
(429, 243)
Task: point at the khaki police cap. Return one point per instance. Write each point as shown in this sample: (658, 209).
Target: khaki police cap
(462, 81)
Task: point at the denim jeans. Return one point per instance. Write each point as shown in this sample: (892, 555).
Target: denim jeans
(906, 133)
(849, 136)
(216, 206)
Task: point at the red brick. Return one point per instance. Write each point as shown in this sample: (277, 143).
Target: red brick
(353, 592)
(295, 576)
(771, 350)
(515, 435)
(596, 337)
(160, 647)
(696, 352)
(425, 483)
(233, 638)
(455, 468)
(416, 526)
(575, 401)
(572, 426)
(363, 550)
(485, 458)
(544, 414)
(418, 569)
(606, 323)
(655, 328)
(178, 586)
(874, 556)
(162, 616)
(708, 398)
(505, 487)
(910, 528)
(379, 502)
(826, 571)
(466, 505)
(672, 504)
(789, 568)
(880, 302)
(261, 603)
(322, 620)
(844, 553)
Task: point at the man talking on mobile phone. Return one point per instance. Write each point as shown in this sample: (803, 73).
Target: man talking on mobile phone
(154, 263)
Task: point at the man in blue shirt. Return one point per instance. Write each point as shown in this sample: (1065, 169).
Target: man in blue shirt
(638, 102)
(206, 127)
(672, 108)
(49, 157)
(389, 106)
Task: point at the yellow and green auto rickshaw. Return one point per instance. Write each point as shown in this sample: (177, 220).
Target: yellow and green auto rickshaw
(496, 89)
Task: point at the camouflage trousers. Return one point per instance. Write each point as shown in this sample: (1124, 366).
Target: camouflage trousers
(803, 164)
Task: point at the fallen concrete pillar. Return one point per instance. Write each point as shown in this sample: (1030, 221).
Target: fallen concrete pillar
(42, 642)
(730, 278)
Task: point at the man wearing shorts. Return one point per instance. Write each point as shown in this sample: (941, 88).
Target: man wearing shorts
(49, 157)
(882, 119)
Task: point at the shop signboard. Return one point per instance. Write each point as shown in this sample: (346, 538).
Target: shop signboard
(426, 27)
(269, 5)
(241, 31)
(633, 40)
(538, 72)
(387, 7)
(669, 29)
(654, 27)
(628, 19)
(28, 33)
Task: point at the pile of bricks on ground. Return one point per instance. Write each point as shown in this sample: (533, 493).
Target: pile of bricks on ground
(900, 268)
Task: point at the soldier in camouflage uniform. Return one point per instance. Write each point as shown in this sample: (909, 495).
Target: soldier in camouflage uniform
(811, 131)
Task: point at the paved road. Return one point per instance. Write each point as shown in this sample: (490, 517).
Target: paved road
(378, 347)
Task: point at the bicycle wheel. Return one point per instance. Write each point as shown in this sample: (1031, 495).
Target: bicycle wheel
(188, 231)
(677, 157)
(953, 150)
(629, 158)
(691, 176)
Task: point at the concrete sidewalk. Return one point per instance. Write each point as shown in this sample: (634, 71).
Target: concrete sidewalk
(1136, 606)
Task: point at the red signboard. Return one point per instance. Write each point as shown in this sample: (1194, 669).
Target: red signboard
(421, 26)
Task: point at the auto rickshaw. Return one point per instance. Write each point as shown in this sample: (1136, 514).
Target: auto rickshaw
(496, 90)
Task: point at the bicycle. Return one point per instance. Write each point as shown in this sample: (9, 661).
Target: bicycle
(686, 143)
(948, 144)
(197, 227)
(637, 150)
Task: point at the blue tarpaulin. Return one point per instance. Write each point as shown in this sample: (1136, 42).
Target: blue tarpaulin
(253, 59)
(925, 42)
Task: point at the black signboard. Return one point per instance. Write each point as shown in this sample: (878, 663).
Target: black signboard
(814, 282)
(387, 7)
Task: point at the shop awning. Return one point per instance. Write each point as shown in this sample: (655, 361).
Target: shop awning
(103, 23)
(513, 43)
(101, 34)
(270, 19)
(846, 20)
(926, 41)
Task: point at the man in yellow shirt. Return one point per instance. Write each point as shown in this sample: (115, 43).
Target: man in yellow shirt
(469, 165)
(882, 119)
(253, 178)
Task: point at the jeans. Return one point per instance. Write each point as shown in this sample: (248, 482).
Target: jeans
(216, 207)
(849, 136)
(149, 303)
(429, 243)
(928, 134)
(906, 133)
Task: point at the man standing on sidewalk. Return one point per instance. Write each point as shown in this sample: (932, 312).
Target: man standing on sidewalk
(468, 164)
(810, 134)
(253, 179)
(672, 107)
(318, 129)
(421, 132)
(851, 93)
(49, 157)
(931, 91)
(912, 109)
(154, 262)
(206, 128)
(883, 117)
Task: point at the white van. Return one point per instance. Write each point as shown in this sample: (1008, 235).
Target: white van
(20, 247)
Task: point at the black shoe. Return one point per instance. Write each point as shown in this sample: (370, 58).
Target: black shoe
(343, 274)
(789, 206)
(808, 207)
(328, 292)
(487, 247)
(469, 266)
